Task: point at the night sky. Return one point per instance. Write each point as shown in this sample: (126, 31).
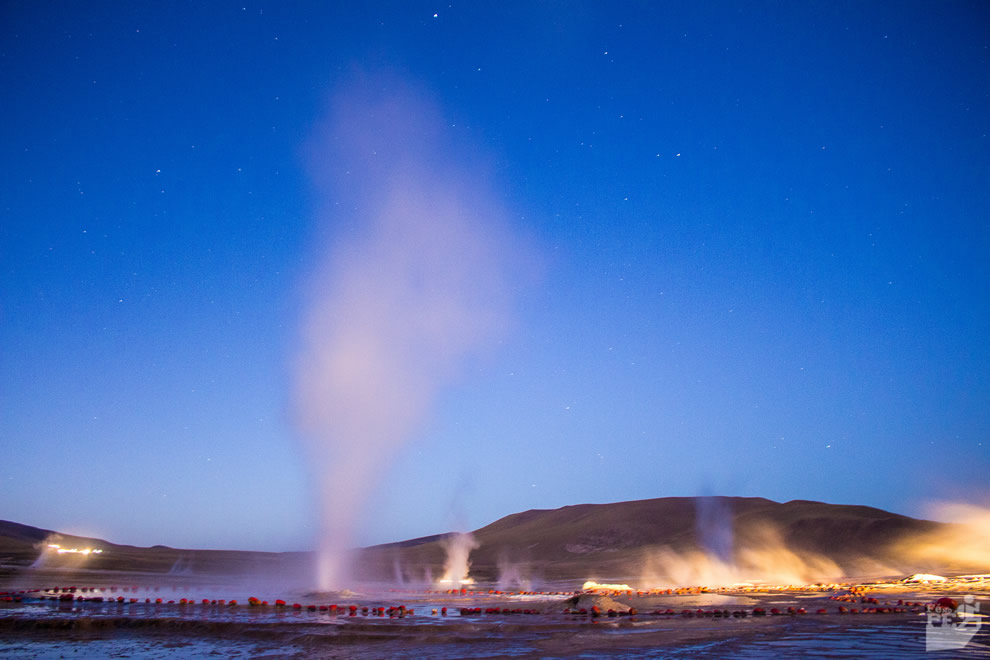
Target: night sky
(755, 236)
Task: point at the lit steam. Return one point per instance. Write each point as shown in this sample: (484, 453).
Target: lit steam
(411, 282)
(964, 544)
(457, 567)
(758, 556)
(49, 551)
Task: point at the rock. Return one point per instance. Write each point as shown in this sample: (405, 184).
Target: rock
(588, 601)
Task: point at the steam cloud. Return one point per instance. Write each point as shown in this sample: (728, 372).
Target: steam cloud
(759, 555)
(730, 556)
(965, 545)
(458, 564)
(414, 278)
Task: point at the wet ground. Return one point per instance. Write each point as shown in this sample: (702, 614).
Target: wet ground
(377, 621)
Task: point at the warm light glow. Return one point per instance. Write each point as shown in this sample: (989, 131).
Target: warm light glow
(924, 577)
(591, 585)
(457, 566)
(965, 542)
(85, 551)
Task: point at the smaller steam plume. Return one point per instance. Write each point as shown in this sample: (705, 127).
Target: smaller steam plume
(513, 575)
(457, 567)
(714, 526)
(399, 575)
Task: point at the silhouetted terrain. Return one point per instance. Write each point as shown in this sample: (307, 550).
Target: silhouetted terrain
(612, 539)
(21, 546)
(566, 543)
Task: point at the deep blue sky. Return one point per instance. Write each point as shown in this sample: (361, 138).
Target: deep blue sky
(763, 228)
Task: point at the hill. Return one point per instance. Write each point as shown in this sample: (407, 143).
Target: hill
(571, 542)
(23, 546)
(618, 538)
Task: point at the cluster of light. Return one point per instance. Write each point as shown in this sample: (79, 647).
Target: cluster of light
(924, 577)
(85, 551)
(591, 585)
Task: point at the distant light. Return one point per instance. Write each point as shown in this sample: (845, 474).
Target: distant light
(76, 551)
(924, 577)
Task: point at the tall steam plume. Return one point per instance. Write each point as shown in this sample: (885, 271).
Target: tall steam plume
(411, 280)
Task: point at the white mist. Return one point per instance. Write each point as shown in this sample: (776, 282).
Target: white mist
(411, 280)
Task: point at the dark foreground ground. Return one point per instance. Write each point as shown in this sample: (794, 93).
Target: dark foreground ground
(129, 622)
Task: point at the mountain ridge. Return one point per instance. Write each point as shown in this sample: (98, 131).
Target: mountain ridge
(573, 540)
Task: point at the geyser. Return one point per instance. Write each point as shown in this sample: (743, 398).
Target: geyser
(411, 278)
(713, 522)
(457, 566)
(758, 554)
